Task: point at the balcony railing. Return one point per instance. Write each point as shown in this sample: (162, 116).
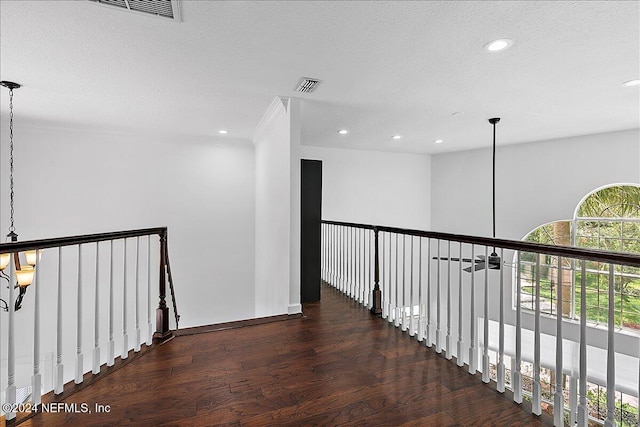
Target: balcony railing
(460, 295)
(91, 291)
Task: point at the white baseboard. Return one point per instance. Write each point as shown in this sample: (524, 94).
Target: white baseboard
(295, 308)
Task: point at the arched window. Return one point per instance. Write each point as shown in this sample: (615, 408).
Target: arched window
(607, 219)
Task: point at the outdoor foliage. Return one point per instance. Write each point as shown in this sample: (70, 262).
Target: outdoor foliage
(608, 219)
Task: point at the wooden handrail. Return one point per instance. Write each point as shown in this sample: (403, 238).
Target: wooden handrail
(55, 242)
(517, 245)
(162, 313)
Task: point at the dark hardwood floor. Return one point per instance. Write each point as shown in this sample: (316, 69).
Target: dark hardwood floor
(337, 365)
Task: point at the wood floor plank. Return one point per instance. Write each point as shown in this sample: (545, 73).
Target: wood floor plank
(336, 365)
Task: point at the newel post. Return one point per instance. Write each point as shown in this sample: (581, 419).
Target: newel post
(376, 294)
(162, 313)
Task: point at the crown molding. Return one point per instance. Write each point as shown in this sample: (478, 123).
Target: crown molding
(277, 109)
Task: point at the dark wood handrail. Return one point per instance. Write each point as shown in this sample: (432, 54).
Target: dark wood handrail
(563, 251)
(162, 313)
(55, 242)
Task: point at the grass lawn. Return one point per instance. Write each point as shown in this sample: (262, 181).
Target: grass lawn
(627, 303)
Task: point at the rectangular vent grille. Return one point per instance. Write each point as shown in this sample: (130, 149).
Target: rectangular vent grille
(307, 85)
(161, 8)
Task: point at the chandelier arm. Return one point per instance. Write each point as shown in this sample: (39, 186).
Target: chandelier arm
(18, 304)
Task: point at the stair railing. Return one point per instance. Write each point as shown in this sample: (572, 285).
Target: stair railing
(73, 268)
(451, 292)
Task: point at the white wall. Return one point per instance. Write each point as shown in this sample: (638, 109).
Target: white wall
(72, 182)
(277, 215)
(373, 187)
(535, 183)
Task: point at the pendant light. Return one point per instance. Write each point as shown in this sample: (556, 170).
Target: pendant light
(494, 260)
(24, 272)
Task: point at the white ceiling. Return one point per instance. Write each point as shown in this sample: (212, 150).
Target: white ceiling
(386, 68)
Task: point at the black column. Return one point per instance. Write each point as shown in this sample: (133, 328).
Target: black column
(310, 233)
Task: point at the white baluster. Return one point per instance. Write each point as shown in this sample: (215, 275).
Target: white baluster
(369, 287)
(112, 345)
(460, 346)
(36, 378)
(363, 267)
(500, 374)
(403, 307)
(343, 259)
(349, 261)
(396, 308)
(427, 341)
(322, 251)
(354, 261)
(330, 251)
(329, 274)
(330, 241)
(583, 410)
(383, 281)
(125, 334)
(59, 378)
(611, 354)
(11, 344)
(136, 344)
(149, 324)
(96, 316)
(354, 265)
(438, 331)
(390, 293)
(327, 252)
(360, 265)
(536, 404)
(412, 330)
(329, 257)
(421, 306)
(558, 395)
(448, 343)
(473, 351)
(573, 399)
(352, 273)
(338, 258)
(79, 356)
(485, 314)
(516, 364)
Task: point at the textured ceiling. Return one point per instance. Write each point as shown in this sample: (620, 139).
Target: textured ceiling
(386, 68)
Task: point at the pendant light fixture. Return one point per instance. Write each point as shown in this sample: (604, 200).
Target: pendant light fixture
(494, 260)
(24, 272)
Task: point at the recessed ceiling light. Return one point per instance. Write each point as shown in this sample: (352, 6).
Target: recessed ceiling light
(343, 131)
(396, 137)
(498, 45)
(222, 132)
(438, 141)
(634, 82)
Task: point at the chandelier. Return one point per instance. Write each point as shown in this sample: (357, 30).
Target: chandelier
(24, 270)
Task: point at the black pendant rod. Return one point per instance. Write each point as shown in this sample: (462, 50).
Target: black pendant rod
(493, 121)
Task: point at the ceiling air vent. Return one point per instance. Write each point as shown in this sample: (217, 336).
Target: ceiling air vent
(160, 8)
(307, 85)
